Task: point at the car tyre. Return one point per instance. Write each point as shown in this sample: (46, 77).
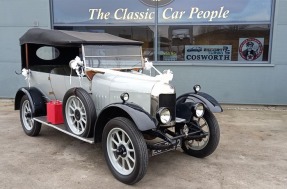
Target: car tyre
(30, 126)
(125, 150)
(79, 112)
(204, 147)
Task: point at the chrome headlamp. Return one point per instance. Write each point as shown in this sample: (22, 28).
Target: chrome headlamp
(198, 110)
(196, 88)
(125, 97)
(163, 115)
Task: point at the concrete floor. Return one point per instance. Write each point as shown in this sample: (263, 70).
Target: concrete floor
(252, 154)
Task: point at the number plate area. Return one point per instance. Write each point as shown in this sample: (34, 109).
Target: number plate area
(155, 152)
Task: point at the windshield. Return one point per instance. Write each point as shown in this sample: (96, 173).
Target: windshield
(117, 56)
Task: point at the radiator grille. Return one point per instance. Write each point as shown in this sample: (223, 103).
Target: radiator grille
(168, 100)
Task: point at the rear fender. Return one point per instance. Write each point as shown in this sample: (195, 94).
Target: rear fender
(38, 102)
(135, 113)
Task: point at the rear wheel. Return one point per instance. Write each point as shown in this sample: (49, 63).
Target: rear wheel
(29, 125)
(205, 146)
(79, 112)
(125, 150)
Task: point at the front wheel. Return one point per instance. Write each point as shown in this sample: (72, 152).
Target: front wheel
(125, 150)
(29, 125)
(204, 146)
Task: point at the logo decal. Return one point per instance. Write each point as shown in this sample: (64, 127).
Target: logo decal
(154, 3)
(251, 49)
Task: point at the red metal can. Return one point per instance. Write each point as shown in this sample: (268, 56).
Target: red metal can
(54, 112)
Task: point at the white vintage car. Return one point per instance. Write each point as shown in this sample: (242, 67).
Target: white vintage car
(99, 81)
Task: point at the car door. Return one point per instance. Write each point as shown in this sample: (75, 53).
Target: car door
(57, 81)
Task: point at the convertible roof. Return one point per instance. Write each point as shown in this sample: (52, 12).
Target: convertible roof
(70, 38)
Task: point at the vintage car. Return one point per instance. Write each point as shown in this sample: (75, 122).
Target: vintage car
(107, 92)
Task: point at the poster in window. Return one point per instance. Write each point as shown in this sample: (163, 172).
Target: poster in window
(208, 52)
(250, 49)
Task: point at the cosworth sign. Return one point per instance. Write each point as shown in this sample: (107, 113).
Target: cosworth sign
(208, 52)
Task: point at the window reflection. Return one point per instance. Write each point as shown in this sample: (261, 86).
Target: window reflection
(138, 33)
(212, 43)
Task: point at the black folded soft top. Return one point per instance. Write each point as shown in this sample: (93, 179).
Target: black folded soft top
(70, 38)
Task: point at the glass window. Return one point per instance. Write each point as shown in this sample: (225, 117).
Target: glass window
(106, 56)
(47, 53)
(222, 43)
(138, 33)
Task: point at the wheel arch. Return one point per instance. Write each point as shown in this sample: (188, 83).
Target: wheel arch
(38, 102)
(136, 114)
(209, 102)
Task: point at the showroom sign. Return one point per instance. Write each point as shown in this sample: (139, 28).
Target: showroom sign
(167, 14)
(90, 12)
(208, 52)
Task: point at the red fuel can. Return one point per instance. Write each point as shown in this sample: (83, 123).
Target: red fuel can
(54, 112)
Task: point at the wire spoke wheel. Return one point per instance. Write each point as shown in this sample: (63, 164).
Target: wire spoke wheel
(76, 115)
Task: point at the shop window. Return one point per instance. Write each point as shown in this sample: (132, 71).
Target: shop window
(138, 33)
(220, 43)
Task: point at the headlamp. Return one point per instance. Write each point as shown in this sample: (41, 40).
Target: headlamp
(198, 110)
(163, 115)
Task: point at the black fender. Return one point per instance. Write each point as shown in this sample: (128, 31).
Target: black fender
(209, 102)
(38, 102)
(135, 113)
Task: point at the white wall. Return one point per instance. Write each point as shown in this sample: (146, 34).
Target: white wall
(17, 16)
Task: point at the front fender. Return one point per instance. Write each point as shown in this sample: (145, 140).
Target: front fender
(209, 102)
(138, 115)
(36, 98)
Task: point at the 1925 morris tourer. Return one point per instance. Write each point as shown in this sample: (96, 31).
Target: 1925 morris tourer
(99, 82)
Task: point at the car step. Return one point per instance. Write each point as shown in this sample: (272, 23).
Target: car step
(61, 127)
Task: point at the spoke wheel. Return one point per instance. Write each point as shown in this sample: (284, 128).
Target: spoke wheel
(204, 146)
(199, 144)
(125, 150)
(30, 127)
(121, 151)
(76, 115)
(79, 111)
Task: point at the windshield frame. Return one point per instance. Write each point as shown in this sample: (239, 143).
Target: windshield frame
(136, 66)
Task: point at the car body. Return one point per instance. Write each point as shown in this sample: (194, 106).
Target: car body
(108, 95)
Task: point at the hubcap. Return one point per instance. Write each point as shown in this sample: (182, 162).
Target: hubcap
(28, 121)
(121, 151)
(199, 144)
(76, 115)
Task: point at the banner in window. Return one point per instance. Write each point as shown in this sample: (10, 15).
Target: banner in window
(250, 49)
(208, 52)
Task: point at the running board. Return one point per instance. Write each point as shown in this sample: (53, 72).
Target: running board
(61, 127)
